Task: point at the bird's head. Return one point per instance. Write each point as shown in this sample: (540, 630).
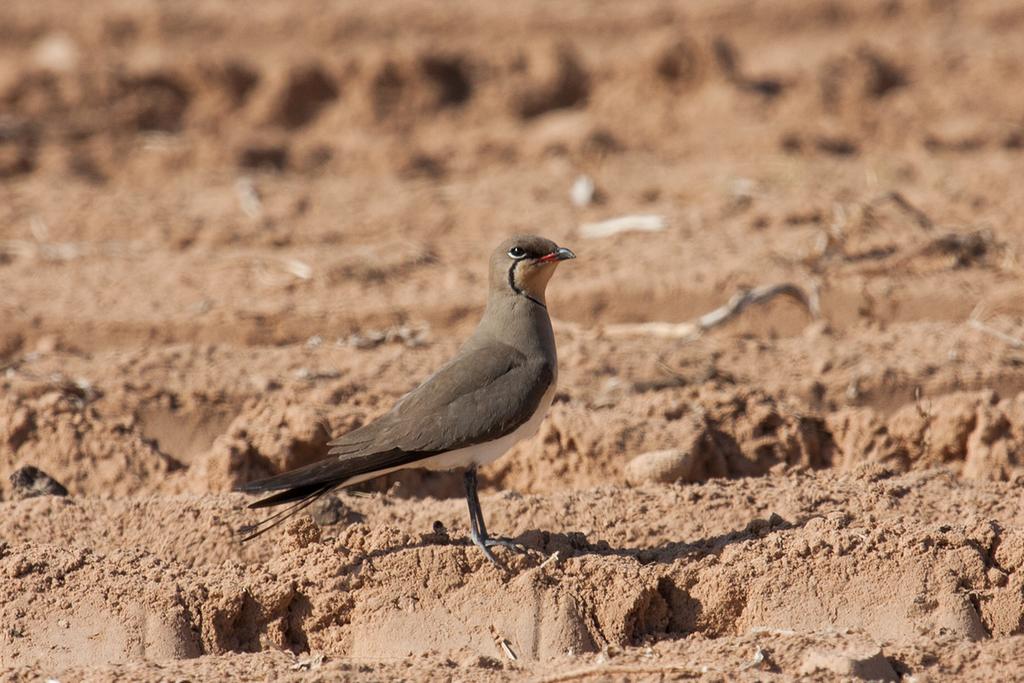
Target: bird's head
(523, 264)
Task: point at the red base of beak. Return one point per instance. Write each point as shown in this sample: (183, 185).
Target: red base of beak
(560, 254)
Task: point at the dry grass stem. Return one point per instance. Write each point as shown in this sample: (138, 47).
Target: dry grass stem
(736, 305)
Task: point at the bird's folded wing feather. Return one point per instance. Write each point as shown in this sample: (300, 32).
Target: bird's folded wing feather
(479, 396)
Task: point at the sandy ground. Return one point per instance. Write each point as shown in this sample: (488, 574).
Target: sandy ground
(227, 234)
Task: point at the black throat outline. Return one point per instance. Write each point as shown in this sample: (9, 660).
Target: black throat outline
(517, 290)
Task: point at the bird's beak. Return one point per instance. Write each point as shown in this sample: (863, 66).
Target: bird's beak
(560, 254)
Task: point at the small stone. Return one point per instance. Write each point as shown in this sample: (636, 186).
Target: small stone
(662, 467)
(29, 482)
(582, 191)
(56, 52)
(328, 510)
(865, 663)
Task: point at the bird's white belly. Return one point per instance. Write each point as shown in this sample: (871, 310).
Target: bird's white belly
(483, 453)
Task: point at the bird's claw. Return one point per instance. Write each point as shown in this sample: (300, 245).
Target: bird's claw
(485, 545)
(514, 546)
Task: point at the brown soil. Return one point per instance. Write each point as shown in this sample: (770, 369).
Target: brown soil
(227, 234)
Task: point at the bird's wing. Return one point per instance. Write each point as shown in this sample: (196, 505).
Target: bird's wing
(479, 396)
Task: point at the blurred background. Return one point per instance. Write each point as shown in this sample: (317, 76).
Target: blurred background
(228, 230)
(790, 414)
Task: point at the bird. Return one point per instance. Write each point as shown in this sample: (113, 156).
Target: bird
(492, 394)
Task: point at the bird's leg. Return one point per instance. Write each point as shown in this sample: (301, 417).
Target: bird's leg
(475, 517)
(474, 504)
(478, 530)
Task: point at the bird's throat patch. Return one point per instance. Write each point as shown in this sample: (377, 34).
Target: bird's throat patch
(520, 290)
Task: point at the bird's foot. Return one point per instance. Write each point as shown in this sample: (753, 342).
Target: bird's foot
(514, 546)
(485, 543)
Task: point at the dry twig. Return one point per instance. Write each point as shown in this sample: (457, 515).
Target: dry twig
(67, 251)
(757, 661)
(736, 305)
(631, 223)
(553, 557)
(507, 649)
(975, 321)
(309, 663)
(920, 217)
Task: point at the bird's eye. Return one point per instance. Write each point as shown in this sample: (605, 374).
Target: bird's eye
(516, 253)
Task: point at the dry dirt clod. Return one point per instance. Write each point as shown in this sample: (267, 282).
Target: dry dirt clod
(263, 156)
(308, 89)
(302, 531)
(564, 82)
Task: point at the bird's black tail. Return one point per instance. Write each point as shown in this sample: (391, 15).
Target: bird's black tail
(305, 498)
(305, 485)
(302, 487)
